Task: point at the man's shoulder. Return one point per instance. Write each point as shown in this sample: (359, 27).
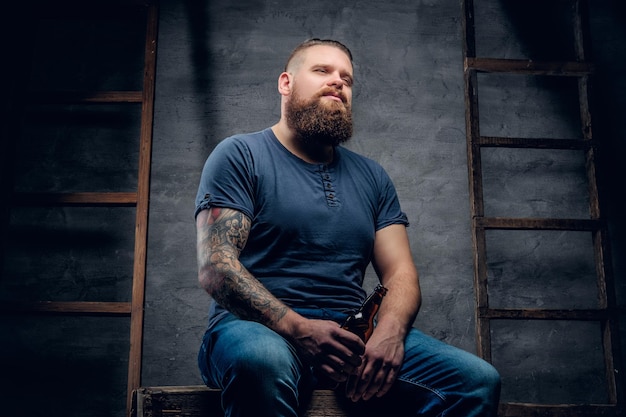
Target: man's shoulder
(242, 145)
(247, 139)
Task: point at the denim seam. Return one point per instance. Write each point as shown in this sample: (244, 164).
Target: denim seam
(439, 394)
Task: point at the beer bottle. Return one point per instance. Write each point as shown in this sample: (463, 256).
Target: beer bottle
(361, 323)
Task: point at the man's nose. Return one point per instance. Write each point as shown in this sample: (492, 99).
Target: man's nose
(336, 81)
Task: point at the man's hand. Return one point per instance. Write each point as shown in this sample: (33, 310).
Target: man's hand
(332, 350)
(379, 368)
(384, 352)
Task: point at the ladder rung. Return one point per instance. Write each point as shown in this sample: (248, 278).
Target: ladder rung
(85, 97)
(542, 314)
(537, 224)
(74, 199)
(529, 67)
(69, 308)
(569, 410)
(536, 143)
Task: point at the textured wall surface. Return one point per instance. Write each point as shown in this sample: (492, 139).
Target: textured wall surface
(218, 64)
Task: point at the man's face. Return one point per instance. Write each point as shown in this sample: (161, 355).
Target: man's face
(319, 107)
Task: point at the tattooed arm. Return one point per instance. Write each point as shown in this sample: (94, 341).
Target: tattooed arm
(222, 234)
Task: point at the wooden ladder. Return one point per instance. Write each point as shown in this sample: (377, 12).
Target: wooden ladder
(139, 199)
(605, 314)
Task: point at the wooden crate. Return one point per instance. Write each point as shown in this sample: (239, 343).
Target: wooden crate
(200, 401)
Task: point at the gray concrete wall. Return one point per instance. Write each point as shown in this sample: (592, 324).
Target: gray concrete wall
(218, 64)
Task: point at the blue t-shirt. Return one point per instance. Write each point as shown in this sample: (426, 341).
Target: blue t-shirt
(313, 225)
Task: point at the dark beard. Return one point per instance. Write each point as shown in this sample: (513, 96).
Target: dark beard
(315, 122)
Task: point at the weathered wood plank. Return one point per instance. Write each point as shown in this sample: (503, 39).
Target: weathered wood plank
(200, 401)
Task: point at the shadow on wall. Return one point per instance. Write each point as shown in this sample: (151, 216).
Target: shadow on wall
(197, 15)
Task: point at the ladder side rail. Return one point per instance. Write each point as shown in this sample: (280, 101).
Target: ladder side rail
(483, 322)
(582, 35)
(605, 280)
(143, 195)
(467, 23)
(483, 325)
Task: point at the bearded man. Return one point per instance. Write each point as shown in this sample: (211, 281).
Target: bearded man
(287, 223)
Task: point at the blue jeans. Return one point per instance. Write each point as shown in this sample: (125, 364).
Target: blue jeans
(260, 374)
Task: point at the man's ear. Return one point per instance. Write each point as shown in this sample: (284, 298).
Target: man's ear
(284, 84)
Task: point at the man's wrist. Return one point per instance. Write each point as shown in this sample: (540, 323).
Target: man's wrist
(290, 325)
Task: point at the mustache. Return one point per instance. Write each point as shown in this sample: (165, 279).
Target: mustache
(329, 91)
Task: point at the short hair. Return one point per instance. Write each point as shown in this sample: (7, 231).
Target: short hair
(314, 42)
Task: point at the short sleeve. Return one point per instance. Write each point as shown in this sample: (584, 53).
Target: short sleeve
(389, 210)
(227, 178)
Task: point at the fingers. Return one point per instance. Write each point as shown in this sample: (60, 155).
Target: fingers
(345, 354)
(388, 382)
(375, 379)
(335, 375)
(334, 350)
(351, 341)
(339, 369)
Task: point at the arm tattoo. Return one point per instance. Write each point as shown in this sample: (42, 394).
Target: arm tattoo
(222, 235)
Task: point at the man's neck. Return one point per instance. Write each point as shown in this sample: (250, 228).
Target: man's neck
(313, 154)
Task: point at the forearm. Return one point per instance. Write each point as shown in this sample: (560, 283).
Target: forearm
(401, 304)
(394, 265)
(221, 235)
(243, 295)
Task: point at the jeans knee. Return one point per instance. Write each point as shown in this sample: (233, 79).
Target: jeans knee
(492, 380)
(261, 382)
(263, 365)
(484, 381)
(493, 377)
(487, 373)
